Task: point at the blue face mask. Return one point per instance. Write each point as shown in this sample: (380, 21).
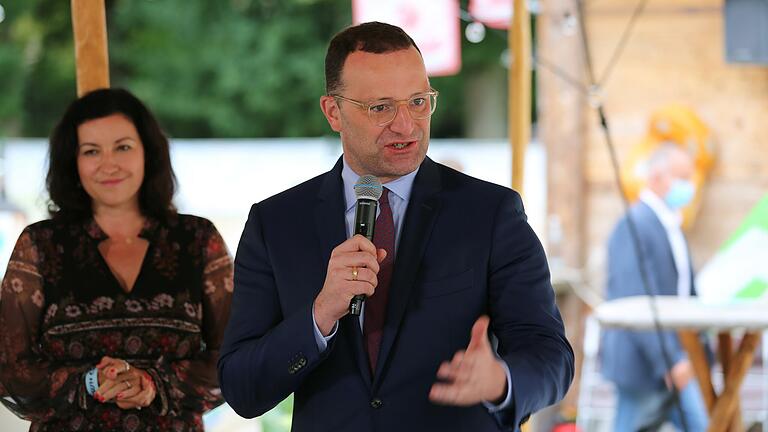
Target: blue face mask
(680, 194)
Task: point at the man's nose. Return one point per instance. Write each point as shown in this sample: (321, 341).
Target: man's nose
(403, 122)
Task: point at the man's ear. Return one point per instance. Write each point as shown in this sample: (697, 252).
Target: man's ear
(331, 111)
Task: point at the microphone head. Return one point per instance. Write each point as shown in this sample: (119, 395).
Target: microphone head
(368, 187)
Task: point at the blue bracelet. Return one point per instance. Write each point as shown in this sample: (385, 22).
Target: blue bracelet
(92, 381)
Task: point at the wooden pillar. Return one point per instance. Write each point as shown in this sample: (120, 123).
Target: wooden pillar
(562, 112)
(562, 129)
(519, 90)
(519, 96)
(89, 25)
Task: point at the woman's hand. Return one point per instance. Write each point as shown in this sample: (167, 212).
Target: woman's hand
(129, 387)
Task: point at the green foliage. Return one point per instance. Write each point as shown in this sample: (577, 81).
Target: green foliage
(279, 418)
(36, 65)
(229, 68)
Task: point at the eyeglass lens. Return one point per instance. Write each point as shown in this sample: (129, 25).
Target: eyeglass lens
(419, 106)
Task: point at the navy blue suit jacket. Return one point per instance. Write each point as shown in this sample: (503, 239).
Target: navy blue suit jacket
(633, 359)
(465, 250)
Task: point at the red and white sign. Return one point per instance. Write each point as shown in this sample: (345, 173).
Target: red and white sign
(433, 25)
(493, 13)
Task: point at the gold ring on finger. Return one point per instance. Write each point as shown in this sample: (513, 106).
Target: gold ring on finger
(127, 366)
(354, 273)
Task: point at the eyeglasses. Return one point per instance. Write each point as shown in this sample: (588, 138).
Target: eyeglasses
(383, 111)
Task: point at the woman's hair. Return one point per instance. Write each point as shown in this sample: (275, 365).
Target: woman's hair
(68, 199)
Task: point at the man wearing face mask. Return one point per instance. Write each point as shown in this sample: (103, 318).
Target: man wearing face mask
(631, 359)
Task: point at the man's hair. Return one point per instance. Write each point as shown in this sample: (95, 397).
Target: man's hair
(371, 37)
(68, 199)
(658, 161)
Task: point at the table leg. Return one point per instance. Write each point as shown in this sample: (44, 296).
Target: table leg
(692, 345)
(725, 351)
(726, 404)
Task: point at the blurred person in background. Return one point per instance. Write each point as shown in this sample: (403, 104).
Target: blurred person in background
(633, 360)
(112, 311)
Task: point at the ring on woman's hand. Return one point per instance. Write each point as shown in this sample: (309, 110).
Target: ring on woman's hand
(127, 366)
(128, 383)
(354, 273)
(138, 407)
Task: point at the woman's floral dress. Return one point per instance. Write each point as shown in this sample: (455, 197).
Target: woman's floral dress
(62, 309)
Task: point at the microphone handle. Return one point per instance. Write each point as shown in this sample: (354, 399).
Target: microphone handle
(365, 222)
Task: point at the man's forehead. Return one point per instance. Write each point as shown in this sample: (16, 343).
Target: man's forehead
(396, 74)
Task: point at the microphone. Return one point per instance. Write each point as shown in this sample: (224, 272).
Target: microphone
(367, 191)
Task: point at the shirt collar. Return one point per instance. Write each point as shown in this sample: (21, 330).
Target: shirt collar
(400, 186)
(667, 216)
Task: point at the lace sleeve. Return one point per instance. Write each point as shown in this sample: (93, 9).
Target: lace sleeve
(32, 386)
(193, 384)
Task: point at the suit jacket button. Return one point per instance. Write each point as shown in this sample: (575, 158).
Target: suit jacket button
(298, 362)
(376, 403)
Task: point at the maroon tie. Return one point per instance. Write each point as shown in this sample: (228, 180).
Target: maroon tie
(376, 305)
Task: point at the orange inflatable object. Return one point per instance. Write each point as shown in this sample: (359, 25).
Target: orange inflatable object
(678, 124)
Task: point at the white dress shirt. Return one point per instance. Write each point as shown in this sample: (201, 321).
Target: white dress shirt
(672, 220)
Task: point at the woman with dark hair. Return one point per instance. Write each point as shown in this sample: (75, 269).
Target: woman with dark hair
(113, 310)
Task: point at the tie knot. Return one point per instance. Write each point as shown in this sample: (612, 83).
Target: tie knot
(384, 197)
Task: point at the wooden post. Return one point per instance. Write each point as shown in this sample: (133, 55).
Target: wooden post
(562, 110)
(519, 90)
(562, 129)
(519, 40)
(89, 25)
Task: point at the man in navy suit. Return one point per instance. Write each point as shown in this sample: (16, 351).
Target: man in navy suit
(634, 360)
(452, 261)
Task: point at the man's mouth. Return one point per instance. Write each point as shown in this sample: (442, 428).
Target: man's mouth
(400, 145)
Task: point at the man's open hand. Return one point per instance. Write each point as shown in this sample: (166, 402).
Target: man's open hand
(473, 375)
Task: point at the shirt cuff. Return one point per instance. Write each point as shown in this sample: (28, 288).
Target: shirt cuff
(322, 341)
(508, 399)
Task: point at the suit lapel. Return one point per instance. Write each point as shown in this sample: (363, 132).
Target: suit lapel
(664, 248)
(329, 213)
(330, 226)
(420, 216)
